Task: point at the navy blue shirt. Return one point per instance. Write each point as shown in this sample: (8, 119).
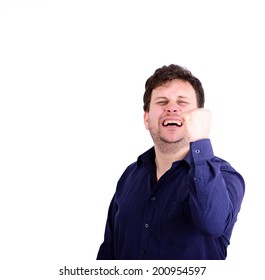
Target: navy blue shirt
(189, 213)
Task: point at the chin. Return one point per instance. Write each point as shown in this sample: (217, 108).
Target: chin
(172, 140)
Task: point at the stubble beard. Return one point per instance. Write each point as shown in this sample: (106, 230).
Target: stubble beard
(168, 146)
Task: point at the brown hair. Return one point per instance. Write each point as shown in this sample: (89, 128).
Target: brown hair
(168, 73)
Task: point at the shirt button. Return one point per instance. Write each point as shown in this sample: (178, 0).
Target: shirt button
(197, 151)
(146, 226)
(153, 198)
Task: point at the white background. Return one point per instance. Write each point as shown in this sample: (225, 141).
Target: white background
(72, 77)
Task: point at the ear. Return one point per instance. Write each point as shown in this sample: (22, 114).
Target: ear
(146, 120)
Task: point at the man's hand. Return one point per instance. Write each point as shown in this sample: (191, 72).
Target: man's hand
(197, 124)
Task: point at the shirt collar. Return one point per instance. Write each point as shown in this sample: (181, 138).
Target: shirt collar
(148, 158)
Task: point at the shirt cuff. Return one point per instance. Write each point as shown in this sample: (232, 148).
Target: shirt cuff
(201, 150)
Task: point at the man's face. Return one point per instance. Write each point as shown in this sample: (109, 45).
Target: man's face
(168, 103)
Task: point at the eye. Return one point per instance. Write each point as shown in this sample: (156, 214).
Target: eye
(182, 103)
(162, 103)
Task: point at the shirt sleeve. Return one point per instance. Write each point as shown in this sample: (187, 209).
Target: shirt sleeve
(216, 190)
(106, 250)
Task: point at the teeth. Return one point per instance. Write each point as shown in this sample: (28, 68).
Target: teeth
(179, 123)
(172, 122)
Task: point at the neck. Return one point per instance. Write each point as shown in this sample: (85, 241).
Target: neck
(164, 160)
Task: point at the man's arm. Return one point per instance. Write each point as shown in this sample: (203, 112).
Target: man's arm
(216, 190)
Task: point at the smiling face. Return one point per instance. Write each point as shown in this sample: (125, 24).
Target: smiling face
(164, 118)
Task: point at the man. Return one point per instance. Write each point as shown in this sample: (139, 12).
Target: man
(178, 201)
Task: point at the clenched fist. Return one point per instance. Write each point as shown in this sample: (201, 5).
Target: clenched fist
(197, 124)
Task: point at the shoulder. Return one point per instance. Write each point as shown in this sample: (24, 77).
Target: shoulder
(137, 170)
(132, 170)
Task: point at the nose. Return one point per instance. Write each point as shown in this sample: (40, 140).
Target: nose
(172, 108)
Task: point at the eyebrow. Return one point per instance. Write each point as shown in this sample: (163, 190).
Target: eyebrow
(183, 97)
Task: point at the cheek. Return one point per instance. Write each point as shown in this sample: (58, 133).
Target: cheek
(152, 121)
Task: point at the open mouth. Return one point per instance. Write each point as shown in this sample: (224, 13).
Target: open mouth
(172, 123)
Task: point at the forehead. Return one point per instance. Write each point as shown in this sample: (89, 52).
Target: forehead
(174, 88)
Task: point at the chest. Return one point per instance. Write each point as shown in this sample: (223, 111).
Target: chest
(143, 198)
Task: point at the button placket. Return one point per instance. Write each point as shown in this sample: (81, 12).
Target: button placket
(147, 225)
